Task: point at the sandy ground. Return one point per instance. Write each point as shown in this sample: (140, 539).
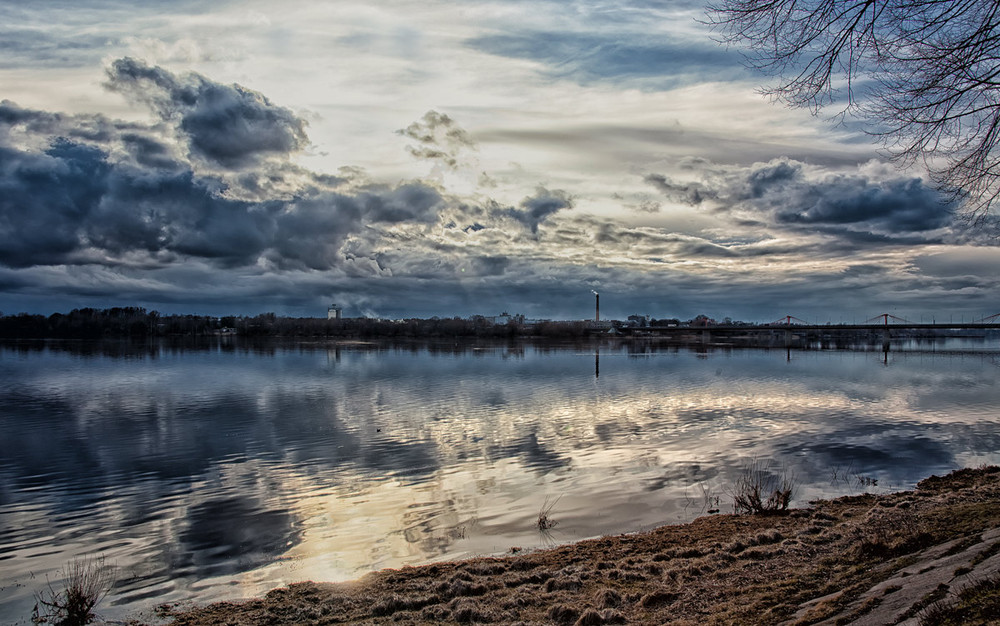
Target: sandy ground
(867, 559)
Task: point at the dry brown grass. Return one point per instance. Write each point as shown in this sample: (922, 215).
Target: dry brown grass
(720, 569)
(762, 489)
(87, 581)
(545, 521)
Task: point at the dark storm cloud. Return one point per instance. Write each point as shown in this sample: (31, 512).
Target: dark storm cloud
(103, 197)
(309, 232)
(762, 180)
(490, 265)
(410, 202)
(98, 208)
(589, 57)
(689, 193)
(227, 125)
(72, 201)
(892, 206)
(854, 207)
(36, 121)
(96, 128)
(45, 199)
(537, 208)
(164, 214)
(150, 152)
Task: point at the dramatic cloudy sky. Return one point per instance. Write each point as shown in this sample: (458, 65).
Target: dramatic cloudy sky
(438, 158)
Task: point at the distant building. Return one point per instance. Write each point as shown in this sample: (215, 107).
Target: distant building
(638, 321)
(507, 318)
(334, 312)
(600, 325)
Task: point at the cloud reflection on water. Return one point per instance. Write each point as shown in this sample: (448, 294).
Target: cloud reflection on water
(290, 463)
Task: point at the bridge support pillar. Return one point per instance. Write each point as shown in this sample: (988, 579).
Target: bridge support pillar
(706, 336)
(886, 337)
(788, 338)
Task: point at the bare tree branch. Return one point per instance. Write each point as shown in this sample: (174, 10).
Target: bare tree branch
(925, 74)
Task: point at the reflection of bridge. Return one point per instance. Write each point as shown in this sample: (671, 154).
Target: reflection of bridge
(813, 327)
(881, 321)
(788, 329)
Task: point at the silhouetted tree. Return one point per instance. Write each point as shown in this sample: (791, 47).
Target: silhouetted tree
(135, 322)
(924, 73)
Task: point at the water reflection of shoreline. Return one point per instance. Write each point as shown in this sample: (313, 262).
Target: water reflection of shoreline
(508, 348)
(380, 457)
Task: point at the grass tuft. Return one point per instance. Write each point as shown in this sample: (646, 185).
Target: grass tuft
(88, 581)
(545, 521)
(978, 603)
(762, 489)
(889, 533)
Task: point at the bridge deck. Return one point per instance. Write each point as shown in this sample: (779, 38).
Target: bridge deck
(815, 327)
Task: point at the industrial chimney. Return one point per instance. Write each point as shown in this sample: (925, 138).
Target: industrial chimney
(597, 310)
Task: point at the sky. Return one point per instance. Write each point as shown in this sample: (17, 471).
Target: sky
(418, 159)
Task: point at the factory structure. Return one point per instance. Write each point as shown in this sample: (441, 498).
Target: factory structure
(506, 318)
(597, 323)
(335, 312)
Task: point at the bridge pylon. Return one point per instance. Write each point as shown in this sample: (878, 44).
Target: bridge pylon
(885, 317)
(787, 321)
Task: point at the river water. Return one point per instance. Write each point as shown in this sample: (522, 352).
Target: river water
(221, 470)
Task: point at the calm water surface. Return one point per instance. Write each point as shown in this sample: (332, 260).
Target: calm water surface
(224, 470)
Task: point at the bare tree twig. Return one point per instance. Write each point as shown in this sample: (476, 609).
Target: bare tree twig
(925, 74)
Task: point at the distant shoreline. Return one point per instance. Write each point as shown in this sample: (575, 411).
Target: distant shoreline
(597, 345)
(138, 323)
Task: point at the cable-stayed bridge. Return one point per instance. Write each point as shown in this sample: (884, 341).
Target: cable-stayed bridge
(790, 329)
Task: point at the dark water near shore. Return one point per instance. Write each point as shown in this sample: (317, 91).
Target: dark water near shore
(224, 469)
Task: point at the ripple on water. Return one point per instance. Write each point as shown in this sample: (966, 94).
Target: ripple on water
(210, 476)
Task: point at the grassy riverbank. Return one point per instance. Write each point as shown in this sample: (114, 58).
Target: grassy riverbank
(877, 559)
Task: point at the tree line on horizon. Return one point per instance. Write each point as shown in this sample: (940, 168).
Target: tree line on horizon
(137, 322)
